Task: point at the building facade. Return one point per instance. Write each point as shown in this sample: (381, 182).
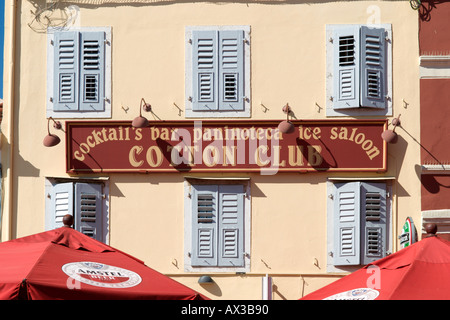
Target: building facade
(434, 130)
(218, 183)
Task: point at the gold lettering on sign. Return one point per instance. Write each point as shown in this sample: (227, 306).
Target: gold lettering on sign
(314, 157)
(230, 148)
(154, 156)
(136, 150)
(295, 156)
(359, 138)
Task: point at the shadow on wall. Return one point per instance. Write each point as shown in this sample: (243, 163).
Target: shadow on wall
(432, 183)
(25, 167)
(427, 7)
(212, 287)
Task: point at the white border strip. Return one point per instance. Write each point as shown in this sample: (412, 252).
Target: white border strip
(435, 168)
(434, 67)
(440, 217)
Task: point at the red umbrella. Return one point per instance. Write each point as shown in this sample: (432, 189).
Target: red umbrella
(65, 264)
(420, 271)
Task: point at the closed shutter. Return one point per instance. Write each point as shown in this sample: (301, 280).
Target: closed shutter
(88, 210)
(92, 75)
(373, 67)
(62, 203)
(231, 225)
(231, 75)
(205, 223)
(205, 70)
(66, 71)
(373, 209)
(346, 67)
(347, 224)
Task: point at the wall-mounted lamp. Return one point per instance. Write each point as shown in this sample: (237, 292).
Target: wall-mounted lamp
(52, 140)
(205, 280)
(286, 126)
(142, 122)
(390, 136)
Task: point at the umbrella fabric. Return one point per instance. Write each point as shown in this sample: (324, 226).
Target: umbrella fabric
(65, 264)
(418, 272)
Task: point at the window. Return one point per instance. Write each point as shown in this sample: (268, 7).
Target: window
(83, 200)
(218, 71)
(359, 76)
(217, 226)
(358, 222)
(79, 74)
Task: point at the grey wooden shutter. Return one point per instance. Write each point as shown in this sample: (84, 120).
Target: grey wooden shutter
(231, 225)
(205, 70)
(347, 224)
(231, 70)
(92, 71)
(374, 219)
(373, 67)
(66, 71)
(346, 67)
(88, 209)
(204, 225)
(62, 203)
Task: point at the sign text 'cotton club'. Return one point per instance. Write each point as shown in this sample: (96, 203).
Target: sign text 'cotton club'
(237, 146)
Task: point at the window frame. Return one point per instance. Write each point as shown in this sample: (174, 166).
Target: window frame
(331, 111)
(189, 84)
(79, 114)
(331, 228)
(51, 182)
(188, 224)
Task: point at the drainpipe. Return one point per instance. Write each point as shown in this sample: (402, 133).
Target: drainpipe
(267, 288)
(8, 177)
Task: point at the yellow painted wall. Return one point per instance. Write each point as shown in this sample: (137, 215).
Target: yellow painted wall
(288, 218)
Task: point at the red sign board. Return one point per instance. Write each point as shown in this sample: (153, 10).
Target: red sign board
(232, 146)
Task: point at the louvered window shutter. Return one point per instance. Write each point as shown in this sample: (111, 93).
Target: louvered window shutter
(66, 71)
(373, 67)
(62, 203)
(205, 70)
(347, 224)
(346, 67)
(231, 70)
(92, 71)
(205, 223)
(373, 215)
(88, 210)
(231, 225)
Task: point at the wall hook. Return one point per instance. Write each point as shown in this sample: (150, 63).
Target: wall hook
(265, 109)
(319, 108)
(316, 263)
(405, 104)
(179, 109)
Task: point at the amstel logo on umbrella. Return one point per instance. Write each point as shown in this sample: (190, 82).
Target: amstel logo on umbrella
(101, 275)
(355, 294)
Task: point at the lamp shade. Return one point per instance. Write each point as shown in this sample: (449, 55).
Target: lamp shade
(286, 126)
(205, 280)
(389, 136)
(51, 140)
(140, 122)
